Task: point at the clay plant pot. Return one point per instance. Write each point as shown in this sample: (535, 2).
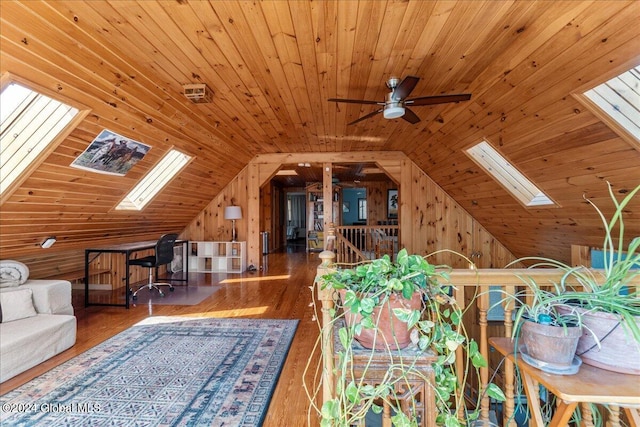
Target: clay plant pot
(555, 345)
(391, 333)
(618, 350)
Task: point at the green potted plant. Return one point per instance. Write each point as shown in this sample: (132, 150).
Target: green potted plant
(367, 294)
(606, 301)
(546, 328)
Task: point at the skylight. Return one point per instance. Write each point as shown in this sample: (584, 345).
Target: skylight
(507, 175)
(619, 98)
(154, 181)
(29, 122)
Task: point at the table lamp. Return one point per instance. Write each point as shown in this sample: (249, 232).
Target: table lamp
(233, 213)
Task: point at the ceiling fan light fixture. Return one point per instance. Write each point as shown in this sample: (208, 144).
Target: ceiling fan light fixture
(393, 112)
(395, 101)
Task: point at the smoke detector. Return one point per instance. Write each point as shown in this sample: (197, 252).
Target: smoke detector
(198, 93)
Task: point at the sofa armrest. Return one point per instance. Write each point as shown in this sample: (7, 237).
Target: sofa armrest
(51, 296)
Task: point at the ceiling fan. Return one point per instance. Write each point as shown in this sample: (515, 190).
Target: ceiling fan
(396, 105)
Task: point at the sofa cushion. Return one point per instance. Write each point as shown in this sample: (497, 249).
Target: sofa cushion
(13, 273)
(16, 305)
(28, 342)
(49, 296)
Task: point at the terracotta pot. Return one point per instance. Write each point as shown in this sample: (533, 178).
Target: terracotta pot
(391, 332)
(550, 344)
(618, 351)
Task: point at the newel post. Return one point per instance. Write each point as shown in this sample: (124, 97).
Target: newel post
(327, 304)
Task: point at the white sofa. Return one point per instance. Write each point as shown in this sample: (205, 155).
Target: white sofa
(37, 323)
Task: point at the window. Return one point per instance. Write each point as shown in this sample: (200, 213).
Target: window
(362, 209)
(507, 175)
(154, 181)
(29, 123)
(617, 103)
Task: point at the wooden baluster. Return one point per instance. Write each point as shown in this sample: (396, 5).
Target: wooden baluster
(483, 306)
(327, 304)
(587, 416)
(509, 374)
(458, 295)
(614, 416)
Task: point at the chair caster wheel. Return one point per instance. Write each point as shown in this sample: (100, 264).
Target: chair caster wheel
(172, 289)
(134, 297)
(161, 294)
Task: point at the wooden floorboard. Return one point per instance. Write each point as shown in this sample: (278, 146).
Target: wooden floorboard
(281, 291)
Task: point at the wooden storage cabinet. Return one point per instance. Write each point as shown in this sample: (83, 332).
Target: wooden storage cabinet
(216, 257)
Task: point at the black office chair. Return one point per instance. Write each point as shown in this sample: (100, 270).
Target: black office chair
(163, 255)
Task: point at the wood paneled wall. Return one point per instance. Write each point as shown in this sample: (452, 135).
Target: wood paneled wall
(210, 224)
(430, 220)
(106, 268)
(377, 200)
(272, 65)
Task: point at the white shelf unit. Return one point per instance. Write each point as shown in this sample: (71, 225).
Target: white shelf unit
(216, 257)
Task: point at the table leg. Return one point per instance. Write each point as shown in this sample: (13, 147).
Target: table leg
(633, 416)
(127, 290)
(531, 389)
(86, 278)
(563, 414)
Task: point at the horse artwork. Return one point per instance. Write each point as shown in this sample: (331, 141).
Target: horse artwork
(110, 153)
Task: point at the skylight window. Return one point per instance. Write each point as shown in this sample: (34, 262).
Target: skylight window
(507, 175)
(619, 99)
(29, 123)
(154, 181)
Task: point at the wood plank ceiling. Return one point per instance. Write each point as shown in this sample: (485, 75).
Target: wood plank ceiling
(273, 64)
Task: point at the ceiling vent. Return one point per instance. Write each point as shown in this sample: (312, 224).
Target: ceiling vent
(198, 93)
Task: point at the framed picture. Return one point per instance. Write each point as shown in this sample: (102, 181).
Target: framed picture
(112, 154)
(392, 203)
(346, 206)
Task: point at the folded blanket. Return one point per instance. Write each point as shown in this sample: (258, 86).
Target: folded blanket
(13, 273)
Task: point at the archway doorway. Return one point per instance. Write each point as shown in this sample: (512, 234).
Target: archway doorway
(361, 189)
(262, 207)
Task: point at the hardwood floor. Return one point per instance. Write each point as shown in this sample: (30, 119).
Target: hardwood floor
(281, 291)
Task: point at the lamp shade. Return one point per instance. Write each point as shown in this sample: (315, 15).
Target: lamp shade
(232, 212)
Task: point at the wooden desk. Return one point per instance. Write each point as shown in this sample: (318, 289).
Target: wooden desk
(589, 385)
(127, 249)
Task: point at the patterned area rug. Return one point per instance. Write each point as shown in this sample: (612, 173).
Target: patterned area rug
(164, 371)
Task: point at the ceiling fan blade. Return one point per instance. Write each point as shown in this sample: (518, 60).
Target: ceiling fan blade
(438, 99)
(355, 101)
(410, 116)
(405, 87)
(365, 117)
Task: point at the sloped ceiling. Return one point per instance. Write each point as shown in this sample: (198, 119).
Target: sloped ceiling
(272, 65)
